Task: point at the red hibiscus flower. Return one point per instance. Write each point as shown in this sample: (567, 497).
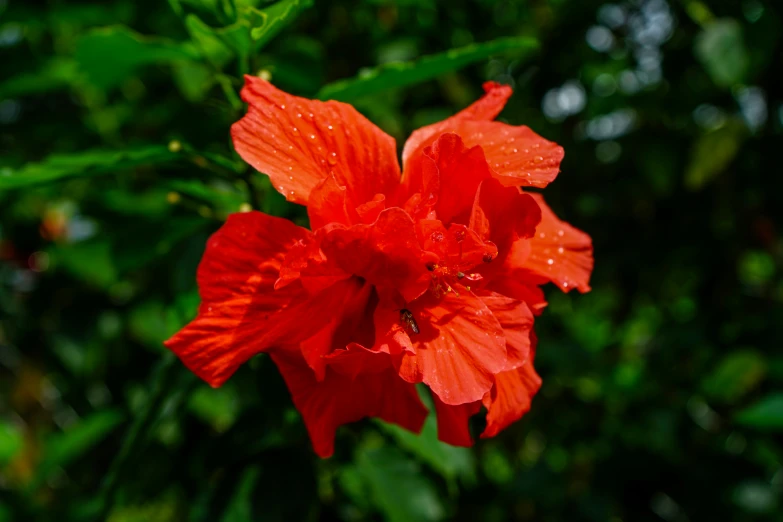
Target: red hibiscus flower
(427, 276)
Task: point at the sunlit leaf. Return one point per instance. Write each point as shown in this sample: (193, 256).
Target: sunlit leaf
(393, 75)
(88, 163)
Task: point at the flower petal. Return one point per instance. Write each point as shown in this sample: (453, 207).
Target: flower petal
(517, 155)
(351, 322)
(486, 108)
(241, 313)
(510, 398)
(459, 349)
(299, 142)
(516, 319)
(454, 421)
(386, 253)
(340, 398)
(328, 204)
(559, 252)
(459, 172)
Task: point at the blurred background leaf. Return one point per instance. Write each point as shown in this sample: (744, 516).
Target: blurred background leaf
(661, 395)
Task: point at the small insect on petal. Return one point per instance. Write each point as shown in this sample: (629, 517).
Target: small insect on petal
(408, 321)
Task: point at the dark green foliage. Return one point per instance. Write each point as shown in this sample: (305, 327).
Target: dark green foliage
(661, 396)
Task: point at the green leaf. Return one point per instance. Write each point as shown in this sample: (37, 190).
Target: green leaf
(766, 414)
(252, 30)
(737, 374)
(395, 484)
(713, 152)
(57, 73)
(449, 461)
(218, 45)
(11, 442)
(401, 74)
(110, 54)
(223, 197)
(240, 508)
(219, 407)
(722, 52)
(91, 261)
(64, 448)
(276, 17)
(88, 163)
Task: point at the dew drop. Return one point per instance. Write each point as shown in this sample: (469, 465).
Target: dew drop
(329, 127)
(437, 237)
(310, 115)
(282, 106)
(290, 147)
(550, 261)
(291, 178)
(290, 168)
(298, 114)
(516, 150)
(565, 284)
(542, 235)
(296, 130)
(312, 136)
(560, 233)
(560, 250)
(538, 159)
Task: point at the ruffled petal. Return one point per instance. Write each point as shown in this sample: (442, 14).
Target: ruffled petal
(328, 204)
(559, 252)
(516, 319)
(359, 383)
(299, 142)
(241, 313)
(386, 253)
(458, 350)
(459, 172)
(518, 156)
(510, 398)
(454, 421)
(486, 108)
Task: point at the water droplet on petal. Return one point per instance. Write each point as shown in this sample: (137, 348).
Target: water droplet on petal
(282, 106)
(312, 136)
(560, 233)
(298, 114)
(437, 236)
(550, 261)
(560, 250)
(329, 127)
